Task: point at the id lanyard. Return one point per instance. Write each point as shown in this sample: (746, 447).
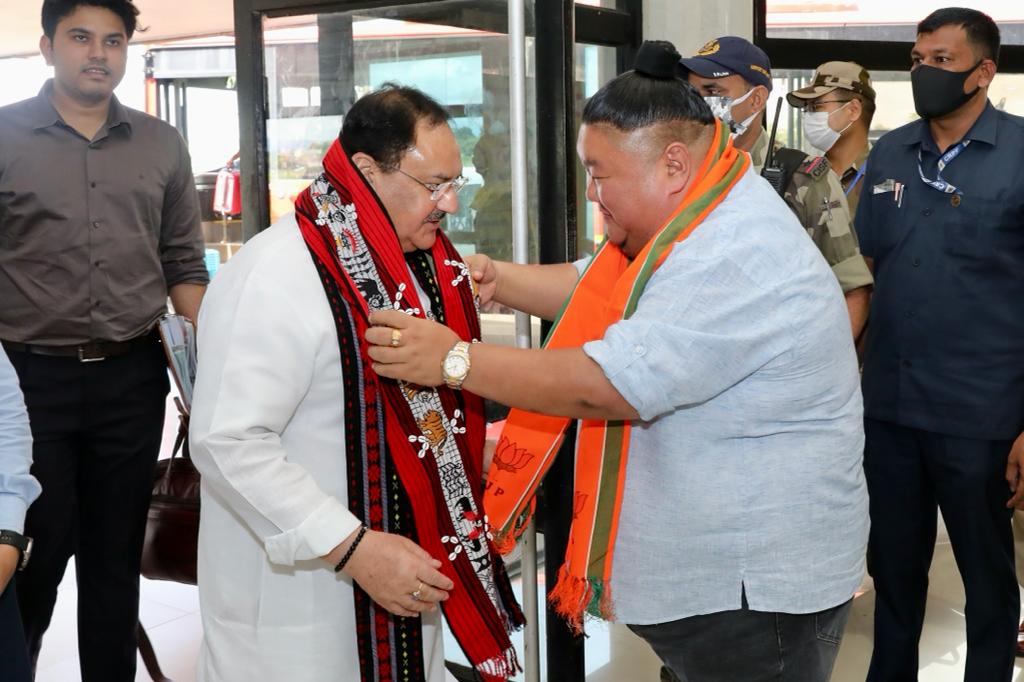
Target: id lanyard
(947, 158)
(857, 177)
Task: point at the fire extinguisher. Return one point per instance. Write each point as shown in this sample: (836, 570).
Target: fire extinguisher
(227, 192)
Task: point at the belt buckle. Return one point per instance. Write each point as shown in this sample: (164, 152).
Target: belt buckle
(82, 358)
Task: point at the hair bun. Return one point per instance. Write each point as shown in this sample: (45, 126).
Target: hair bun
(657, 59)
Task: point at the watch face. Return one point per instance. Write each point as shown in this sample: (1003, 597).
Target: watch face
(455, 366)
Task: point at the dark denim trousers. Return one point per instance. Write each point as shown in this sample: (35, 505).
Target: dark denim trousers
(13, 650)
(750, 646)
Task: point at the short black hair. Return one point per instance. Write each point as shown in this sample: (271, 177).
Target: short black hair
(382, 124)
(634, 100)
(55, 10)
(982, 32)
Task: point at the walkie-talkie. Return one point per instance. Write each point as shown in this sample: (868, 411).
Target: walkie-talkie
(772, 172)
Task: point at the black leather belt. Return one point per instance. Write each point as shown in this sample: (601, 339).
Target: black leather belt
(92, 351)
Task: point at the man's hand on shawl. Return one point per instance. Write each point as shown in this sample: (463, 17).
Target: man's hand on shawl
(485, 275)
(421, 347)
(390, 568)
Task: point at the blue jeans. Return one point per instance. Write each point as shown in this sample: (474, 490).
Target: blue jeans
(752, 646)
(13, 650)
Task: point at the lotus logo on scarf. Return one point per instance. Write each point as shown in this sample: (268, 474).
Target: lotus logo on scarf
(510, 458)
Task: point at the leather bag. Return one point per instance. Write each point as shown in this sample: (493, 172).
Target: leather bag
(172, 527)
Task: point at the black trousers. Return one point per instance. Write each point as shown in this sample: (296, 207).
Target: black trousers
(14, 665)
(909, 472)
(96, 430)
(749, 646)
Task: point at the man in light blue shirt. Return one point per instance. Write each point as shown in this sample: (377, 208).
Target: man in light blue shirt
(17, 491)
(744, 516)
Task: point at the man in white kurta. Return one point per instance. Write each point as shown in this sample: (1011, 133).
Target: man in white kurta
(267, 434)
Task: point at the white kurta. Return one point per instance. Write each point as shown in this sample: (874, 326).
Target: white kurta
(267, 434)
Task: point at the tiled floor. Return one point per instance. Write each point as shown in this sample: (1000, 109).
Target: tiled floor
(170, 613)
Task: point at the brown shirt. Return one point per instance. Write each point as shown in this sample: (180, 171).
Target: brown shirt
(92, 233)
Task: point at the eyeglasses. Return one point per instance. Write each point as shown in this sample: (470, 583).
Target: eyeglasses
(438, 189)
(815, 107)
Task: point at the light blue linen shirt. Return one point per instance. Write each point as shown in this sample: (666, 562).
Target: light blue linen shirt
(18, 489)
(745, 468)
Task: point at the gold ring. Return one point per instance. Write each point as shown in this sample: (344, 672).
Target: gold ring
(418, 592)
(396, 336)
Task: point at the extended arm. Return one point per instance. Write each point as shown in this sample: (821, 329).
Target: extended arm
(538, 290)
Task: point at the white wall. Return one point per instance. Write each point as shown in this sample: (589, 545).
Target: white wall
(690, 23)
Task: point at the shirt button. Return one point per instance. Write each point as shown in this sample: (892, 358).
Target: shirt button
(639, 350)
(96, 224)
(916, 262)
(92, 184)
(910, 314)
(907, 363)
(927, 212)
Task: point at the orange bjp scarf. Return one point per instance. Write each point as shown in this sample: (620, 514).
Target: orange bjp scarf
(608, 291)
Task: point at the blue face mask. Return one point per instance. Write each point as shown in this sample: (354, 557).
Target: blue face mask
(722, 107)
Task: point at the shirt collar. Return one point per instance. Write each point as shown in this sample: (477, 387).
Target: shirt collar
(43, 111)
(46, 115)
(983, 130)
(858, 163)
(759, 152)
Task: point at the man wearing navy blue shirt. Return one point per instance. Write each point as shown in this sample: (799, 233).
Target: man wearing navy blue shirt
(942, 219)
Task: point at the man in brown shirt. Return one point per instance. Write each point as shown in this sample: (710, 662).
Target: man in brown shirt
(99, 224)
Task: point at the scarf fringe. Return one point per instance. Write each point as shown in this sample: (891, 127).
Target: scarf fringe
(500, 668)
(505, 540)
(573, 597)
(505, 543)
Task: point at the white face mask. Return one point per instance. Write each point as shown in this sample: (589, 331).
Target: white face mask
(722, 107)
(819, 133)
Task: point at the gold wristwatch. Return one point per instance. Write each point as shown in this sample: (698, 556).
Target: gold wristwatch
(455, 366)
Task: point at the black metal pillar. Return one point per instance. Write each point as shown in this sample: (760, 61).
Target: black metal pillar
(252, 109)
(336, 51)
(556, 166)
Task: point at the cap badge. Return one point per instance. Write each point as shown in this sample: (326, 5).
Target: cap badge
(709, 48)
(761, 70)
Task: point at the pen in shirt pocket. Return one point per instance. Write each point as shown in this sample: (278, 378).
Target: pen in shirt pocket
(898, 194)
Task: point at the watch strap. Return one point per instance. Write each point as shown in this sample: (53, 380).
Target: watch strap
(18, 541)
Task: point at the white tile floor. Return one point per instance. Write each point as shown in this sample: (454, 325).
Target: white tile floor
(170, 613)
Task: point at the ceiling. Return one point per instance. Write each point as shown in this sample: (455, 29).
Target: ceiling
(20, 28)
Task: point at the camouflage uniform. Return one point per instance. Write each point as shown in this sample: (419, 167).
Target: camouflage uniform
(816, 197)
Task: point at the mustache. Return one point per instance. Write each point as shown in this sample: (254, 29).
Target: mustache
(102, 67)
(435, 215)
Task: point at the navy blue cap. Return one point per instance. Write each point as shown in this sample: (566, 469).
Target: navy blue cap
(731, 55)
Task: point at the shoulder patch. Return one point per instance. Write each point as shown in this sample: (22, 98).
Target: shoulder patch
(815, 166)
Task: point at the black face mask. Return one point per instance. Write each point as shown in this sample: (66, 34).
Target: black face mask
(938, 92)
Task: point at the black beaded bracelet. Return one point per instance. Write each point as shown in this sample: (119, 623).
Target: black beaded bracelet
(351, 550)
